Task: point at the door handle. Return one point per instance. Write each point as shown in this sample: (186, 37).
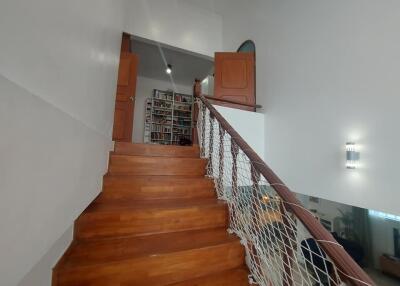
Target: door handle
(132, 98)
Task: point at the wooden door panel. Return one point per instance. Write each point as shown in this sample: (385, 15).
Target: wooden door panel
(125, 99)
(234, 78)
(234, 74)
(124, 70)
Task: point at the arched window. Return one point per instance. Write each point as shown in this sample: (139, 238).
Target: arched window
(247, 47)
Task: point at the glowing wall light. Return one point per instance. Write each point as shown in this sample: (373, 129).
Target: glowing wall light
(352, 155)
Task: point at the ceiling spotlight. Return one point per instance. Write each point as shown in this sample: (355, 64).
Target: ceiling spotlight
(168, 70)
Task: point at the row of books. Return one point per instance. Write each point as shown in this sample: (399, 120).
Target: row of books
(162, 104)
(178, 137)
(163, 95)
(183, 98)
(182, 122)
(187, 108)
(161, 128)
(181, 131)
(180, 113)
(162, 112)
(162, 120)
(161, 136)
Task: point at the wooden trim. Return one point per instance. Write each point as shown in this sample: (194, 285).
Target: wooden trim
(197, 90)
(62, 259)
(339, 256)
(232, 102)
(126, 43)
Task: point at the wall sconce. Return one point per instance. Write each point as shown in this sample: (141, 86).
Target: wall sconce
(352, 155)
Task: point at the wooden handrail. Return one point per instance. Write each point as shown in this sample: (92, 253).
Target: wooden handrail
(348, 268)
(232, 101)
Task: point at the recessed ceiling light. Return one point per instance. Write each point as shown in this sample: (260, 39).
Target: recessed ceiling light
(168, 70)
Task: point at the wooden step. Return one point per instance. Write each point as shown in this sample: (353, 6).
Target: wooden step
(121, 187)
(157, 222)
(232, 277)
(161, 259)
(150, 217)
(156, 150)
(154, 166)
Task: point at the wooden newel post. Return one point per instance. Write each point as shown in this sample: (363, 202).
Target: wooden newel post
(197, 88)
(195, 116)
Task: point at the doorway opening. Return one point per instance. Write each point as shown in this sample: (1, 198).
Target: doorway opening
(164, 94)
(163, 97)
(155, 102)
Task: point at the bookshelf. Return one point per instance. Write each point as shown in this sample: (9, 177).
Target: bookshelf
(168, 117)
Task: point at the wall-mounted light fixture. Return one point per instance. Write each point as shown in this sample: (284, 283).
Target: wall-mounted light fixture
(352, 156)
(168, 70)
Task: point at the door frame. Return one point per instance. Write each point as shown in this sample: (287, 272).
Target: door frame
(124, 52)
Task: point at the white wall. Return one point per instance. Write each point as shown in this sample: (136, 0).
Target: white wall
(249, 125)
(179, 23)
(58, 68)
(41, 272)
(327, 73)
(207, 85)
(144, 90)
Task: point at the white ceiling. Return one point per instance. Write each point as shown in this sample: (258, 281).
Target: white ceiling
(186, 66)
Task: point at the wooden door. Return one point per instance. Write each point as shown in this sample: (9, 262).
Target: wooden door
(234, 79)
(125, 99)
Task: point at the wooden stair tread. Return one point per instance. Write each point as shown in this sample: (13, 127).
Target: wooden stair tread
(126, 179)
(157, 177)
(154, 204)
(126, 187)
(153, 165)
(156, 150)
(147, 217)
(231, 277)
(162, 269)
(111, 250)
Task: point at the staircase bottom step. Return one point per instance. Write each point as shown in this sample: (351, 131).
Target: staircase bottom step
(158, 269)
(234, 277)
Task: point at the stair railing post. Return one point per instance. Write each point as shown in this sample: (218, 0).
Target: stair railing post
(211, 147)
(221, 160)
(234, 152)
(203, 130)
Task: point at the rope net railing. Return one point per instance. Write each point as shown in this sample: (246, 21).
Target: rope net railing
(279, 248)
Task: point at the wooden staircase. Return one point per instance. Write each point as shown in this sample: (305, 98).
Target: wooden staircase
(157, 222)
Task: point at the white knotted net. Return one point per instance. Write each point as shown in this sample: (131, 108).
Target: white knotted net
(279, 249)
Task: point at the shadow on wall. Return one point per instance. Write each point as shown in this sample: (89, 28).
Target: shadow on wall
(35, 277)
